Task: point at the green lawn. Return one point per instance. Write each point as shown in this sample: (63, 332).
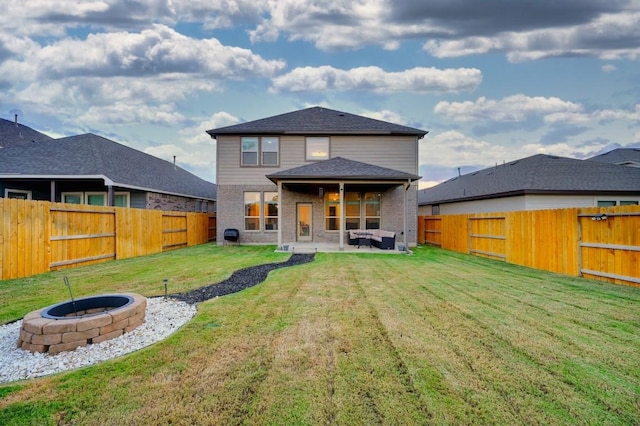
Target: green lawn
(433, 338)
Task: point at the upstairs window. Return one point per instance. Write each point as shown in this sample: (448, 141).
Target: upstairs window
(260, 151)
(270, 148)
(249, 152)
(317, 148)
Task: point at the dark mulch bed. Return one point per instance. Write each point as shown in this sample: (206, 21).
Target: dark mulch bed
(240, 279)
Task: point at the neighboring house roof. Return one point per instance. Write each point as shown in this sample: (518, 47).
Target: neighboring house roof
(89, 156)
(538, 174)
(318, 121)
(339, 168)
(12, 134)
(622, 156)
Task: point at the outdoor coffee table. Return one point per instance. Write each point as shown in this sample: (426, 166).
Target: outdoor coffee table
(364, 238)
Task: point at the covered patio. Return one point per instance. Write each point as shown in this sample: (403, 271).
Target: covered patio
(320, 202)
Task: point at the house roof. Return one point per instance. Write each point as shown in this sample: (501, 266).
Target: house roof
(538, 174)
(339, 168)
(89, 156)
(318, 121)
(623, 156)
(12, 134)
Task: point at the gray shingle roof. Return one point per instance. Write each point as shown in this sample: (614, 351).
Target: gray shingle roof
(620, 156)
(538, 174)
(343, 169)
(12, 134)
(317, 120)
(92, 155)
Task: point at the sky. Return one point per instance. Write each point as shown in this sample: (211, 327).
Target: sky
(491, 81)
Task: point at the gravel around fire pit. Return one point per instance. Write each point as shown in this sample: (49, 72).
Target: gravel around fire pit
(163, 317)
(240, 279)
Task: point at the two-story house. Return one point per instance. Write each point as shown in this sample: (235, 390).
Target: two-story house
(313, 174)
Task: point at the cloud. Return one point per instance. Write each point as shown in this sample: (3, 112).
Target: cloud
(442, 153)
(198, 135)
(386, 115)
(607, 36)
(424, 80)
(126, 113)
(516, 108)
(158, 50)
(598, 116)
(122, 77)
(608, 68)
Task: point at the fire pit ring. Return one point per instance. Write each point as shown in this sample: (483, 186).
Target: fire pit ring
(68, 325)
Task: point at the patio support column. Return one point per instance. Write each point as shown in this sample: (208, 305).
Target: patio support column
(406, 214)
(280, 208)
(342, 219)
(111, 200)
(52, 195)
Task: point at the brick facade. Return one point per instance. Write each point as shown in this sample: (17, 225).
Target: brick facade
(176, 203)
(231, 214)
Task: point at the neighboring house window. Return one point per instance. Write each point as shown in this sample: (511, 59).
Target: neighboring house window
(372, 210)
(317, 148)
(270, 211)
(611, 203)
(332, 211)
(17, 193)
(96, 198)
(251, 211)
(270, 149)
(121, 199)
(72, 197)
(435, 209)
(260, 151)
(352, 210)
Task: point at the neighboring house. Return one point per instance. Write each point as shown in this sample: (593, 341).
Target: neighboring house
(533, 183)
(622, 156)
(89, 169)
(312, 174)
(13, 133)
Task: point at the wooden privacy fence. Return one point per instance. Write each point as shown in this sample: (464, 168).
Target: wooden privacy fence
(598, 243)
(39, 236)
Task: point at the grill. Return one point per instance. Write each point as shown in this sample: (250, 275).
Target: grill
(232, 235)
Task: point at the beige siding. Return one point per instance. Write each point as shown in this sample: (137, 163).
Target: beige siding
(394, 152)
(524, 202)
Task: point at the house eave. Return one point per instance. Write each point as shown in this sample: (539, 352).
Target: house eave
(107, 182)
(527, 192)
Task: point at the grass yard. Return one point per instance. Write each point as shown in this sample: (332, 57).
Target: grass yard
(434, 338)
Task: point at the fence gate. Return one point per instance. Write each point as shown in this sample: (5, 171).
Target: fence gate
(487, 236)
(609, 246)
(432, 230)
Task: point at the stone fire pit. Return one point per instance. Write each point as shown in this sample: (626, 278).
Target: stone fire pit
(69, 325)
